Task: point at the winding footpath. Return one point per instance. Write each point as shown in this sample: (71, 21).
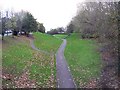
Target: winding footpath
(64, 77)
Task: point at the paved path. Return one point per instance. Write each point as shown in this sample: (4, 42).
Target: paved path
(64, 77)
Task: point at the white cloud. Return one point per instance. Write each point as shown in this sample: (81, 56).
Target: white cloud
(53, 13)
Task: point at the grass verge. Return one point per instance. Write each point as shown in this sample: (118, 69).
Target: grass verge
(83, 59)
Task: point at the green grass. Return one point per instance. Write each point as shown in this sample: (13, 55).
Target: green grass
(46, 42)
(18, 56)
(15, 55)
(60, 36)
(81, 55)
(83, 59)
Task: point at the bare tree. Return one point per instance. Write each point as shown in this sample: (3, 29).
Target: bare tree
(99, 20)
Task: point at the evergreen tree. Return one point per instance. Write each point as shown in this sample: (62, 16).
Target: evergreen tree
(41, 28)
(29, 24)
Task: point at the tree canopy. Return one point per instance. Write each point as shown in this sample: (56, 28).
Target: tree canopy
(29, 23)
(41, 27)
(20, 22)
(56, 31)
(100, 21)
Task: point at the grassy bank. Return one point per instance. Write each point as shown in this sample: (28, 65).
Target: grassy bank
(83, 59)
(19, 58)
(46, 42)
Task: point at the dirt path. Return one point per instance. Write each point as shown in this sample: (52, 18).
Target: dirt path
(64, 77)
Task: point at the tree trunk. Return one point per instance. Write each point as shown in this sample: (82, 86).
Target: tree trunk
(2, 37)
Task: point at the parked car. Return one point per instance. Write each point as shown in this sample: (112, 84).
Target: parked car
(8, 31)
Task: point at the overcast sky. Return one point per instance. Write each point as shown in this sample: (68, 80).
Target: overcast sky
(52, 13)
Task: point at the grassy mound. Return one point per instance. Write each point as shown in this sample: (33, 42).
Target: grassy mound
(46, 42)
